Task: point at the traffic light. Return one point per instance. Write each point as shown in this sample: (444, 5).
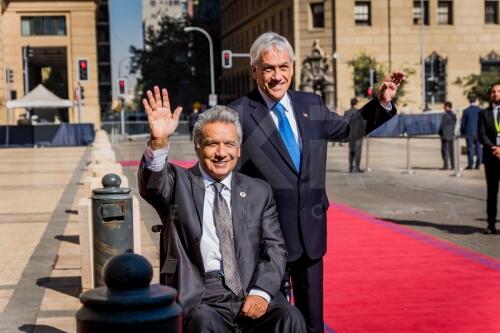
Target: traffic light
(83, 70)
(9, 75)
(82, 93)
(227, 59)
(122, 86)
(376, 77)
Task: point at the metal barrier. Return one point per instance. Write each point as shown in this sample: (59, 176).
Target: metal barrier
(456, 152)
(139, 127)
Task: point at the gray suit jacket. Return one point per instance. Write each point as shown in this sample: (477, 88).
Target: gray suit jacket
(177, 194)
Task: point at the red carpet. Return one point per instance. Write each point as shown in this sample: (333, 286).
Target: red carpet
(382, 277)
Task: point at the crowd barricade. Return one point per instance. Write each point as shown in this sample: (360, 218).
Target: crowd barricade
(407, 126)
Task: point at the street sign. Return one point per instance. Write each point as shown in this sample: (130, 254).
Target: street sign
(212, 100)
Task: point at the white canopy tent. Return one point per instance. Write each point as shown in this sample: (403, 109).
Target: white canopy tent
(40, 97)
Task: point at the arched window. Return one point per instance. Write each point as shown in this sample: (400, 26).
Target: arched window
(435, 78)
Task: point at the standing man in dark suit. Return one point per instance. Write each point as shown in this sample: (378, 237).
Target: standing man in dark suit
(224, 250)
(489, 135)
(355, 136)
(447, 134)
(468, 128)
(285, 136)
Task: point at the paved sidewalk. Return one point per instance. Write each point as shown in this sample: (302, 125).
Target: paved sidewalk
(39, 238)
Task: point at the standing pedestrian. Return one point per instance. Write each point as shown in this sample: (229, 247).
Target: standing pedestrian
(489, 135)
(468, 128)
(355, 136)
(447, 134)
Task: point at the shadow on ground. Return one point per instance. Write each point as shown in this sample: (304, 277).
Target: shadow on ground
(69, 285)
(452, 229)
(39, 329)
(75, 239)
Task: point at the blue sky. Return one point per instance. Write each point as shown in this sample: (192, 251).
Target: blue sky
(125, 29)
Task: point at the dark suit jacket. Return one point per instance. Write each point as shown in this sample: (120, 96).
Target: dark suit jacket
(487, 134)
(357, 124)
(177, 195)
(468, 125)
(300, 196)
(447, 128)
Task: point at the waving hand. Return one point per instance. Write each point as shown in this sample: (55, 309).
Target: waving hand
(162, 122)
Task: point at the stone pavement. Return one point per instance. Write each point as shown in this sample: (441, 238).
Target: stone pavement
(40, 190)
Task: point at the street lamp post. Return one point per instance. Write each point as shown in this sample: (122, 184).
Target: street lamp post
(120, 66)
(210, 44)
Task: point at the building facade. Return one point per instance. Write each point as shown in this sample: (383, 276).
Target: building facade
(153, 10)
(458, 38)
(51, 41)
(104, 56)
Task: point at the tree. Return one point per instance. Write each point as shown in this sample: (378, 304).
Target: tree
(362, 64)
(479, 84)
(177, 60)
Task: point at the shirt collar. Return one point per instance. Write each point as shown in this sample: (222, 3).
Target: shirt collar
(208, 181)
(285, 101)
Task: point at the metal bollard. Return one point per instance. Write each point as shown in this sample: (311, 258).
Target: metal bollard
(111, 223)
(128, 304)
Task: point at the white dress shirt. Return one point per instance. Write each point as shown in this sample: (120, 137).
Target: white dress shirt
(155, 161)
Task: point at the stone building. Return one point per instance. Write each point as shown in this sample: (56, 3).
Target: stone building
(55, 36)
(459, 38)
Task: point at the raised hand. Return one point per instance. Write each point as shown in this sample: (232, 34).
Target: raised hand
(162, 122)
(389, 87)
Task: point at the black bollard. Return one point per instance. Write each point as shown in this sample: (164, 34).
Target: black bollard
(128, 303)
(112, 223)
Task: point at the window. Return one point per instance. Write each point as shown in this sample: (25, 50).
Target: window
(152, 3)
(43, 26)
(362, 13)
(445, 12)
(491, 12)
(490, 63)
(435, 79)
(318, 15)
(417, 12)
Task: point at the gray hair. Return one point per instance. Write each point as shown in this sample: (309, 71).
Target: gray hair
(269, 41)
(218, 113)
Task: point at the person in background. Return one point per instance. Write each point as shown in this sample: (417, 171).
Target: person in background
(489, 135)
(447, 134)
(355, 136)
(193, 118)
(468, 129)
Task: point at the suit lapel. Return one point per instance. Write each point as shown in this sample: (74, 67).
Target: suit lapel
(262, 117)
(238, 211)
(198, 191)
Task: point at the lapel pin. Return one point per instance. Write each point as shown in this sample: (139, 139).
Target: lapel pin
(243, 194)
(305, 115)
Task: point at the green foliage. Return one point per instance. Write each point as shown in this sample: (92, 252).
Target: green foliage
(479, 84)
(361, 64)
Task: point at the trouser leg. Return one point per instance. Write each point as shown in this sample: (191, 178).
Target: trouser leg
(492, 179)
(444, 153)
(479, 152)
(307, 284)
(451, 152)
(470, 151)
